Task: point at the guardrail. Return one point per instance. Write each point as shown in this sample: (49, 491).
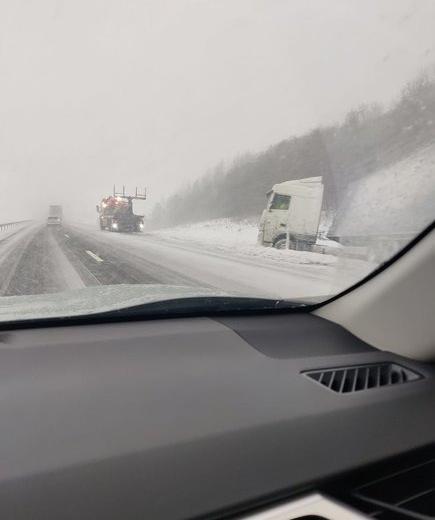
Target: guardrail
(8, 225)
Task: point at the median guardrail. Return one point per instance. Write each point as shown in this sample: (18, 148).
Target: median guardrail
(8, 225)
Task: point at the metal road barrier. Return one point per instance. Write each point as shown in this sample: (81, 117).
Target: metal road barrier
(8, 225)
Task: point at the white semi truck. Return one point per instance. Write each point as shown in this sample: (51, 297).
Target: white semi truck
(292, 215)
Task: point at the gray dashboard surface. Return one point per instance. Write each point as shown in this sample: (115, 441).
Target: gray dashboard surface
(280, 337)
(183, 418)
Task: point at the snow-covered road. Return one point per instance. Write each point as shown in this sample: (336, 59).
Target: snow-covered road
(38, 259)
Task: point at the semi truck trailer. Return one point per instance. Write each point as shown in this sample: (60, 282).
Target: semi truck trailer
(54, 215)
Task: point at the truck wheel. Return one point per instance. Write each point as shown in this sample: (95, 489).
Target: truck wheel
(282, 244)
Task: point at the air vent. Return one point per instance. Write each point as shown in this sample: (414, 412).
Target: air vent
(345, 380)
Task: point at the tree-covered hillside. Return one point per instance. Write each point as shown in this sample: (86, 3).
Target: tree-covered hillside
(368, 138)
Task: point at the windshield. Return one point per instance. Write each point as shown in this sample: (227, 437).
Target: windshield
(151, 133)
(280, 202)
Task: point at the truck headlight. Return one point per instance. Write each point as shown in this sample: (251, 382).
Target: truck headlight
(114, 225)
(141, 226)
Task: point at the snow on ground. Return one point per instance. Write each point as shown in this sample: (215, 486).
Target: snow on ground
(238, 238)
(223, 231)
(9, 238)
(397, 199)
(7, 232)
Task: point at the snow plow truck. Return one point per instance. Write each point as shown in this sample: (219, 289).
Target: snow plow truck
(115, 212)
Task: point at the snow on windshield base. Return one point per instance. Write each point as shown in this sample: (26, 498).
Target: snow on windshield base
(92, 300)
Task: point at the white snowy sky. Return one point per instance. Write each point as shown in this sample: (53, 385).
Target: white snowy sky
(154, 93)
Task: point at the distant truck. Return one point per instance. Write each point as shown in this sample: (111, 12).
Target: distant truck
(115, 212)
(54, 216)
(292, 215)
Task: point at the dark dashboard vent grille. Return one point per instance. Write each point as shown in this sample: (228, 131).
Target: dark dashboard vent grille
(356, 378)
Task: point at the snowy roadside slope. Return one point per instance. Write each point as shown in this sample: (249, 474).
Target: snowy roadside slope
(223, 232)
(7, 232)
(9, 238)
(399, 199)
(237, 238)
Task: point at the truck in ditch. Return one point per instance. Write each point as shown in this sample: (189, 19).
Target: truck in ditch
(115, 212)
(292, 214)
(295, 218)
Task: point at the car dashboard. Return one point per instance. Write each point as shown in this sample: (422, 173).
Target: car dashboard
(275, 416)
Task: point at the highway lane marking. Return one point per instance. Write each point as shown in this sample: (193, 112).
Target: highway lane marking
(94, 256)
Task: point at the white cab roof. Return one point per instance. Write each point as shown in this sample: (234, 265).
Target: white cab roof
(289, 186)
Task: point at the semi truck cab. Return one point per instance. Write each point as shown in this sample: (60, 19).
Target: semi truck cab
(292, 214)
(116, 212)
